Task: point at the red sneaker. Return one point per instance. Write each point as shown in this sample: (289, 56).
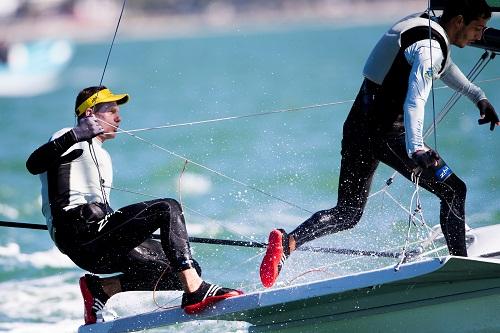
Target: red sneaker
(276, 254)
(91, 302)
(206, 295)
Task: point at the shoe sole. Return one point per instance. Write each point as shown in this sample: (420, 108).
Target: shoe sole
(200, 306)
(270, 266)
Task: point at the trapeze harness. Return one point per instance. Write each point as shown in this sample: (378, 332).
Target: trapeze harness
(385, 125)
(94, 236)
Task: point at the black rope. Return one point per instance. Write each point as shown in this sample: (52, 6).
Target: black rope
(230, 242)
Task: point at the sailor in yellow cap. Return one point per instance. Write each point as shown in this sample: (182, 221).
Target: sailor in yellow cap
(100, 103)
(76, 175)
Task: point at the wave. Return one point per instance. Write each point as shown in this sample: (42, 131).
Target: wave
(8, 211)
(50, 304)
(11, 255)
(195, 184)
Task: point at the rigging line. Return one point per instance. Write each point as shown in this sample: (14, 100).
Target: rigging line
(112, 42)
(473, 74)
(91, 147)
(220, 174)
(241, 264)
(102, 223)
(411, 216)
(304, 248)
(214, 241)
(250, 115)
(489, 80)
(432, 76)
(230, 242)
(436, 249)
(192, 211)
(478, 68)
(387, 250)
(207, 121)
(475, 71)
(180, 182)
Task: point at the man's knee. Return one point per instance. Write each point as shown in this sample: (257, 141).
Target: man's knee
(462, 189)
(174, 207)
(166, 206)
(342, 217)
(350, 216)
(456, 190)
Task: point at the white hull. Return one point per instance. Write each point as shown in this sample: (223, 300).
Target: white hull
(450, 295)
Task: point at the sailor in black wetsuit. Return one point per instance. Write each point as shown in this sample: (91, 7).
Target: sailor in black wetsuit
(385, 125)
(76, 175)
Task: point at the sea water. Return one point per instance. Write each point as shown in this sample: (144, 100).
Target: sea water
(291, 158)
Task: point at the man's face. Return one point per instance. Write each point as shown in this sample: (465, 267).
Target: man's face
(466, 34)
(109, 114)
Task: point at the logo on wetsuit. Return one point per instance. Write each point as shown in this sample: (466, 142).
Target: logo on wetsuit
(442, 172)
(431, 72)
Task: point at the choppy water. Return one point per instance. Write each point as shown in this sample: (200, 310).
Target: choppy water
(293, 156)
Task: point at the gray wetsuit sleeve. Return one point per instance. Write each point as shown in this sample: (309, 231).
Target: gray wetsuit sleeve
(456, 80)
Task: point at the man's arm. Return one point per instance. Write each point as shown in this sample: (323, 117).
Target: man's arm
(48, 154)
(455, 79)
(424, 69)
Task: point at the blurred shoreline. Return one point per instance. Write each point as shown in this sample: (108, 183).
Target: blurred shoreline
(216, 18)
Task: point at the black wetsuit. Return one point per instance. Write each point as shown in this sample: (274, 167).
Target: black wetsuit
(96, 238)
(374, 130)
(373, 133)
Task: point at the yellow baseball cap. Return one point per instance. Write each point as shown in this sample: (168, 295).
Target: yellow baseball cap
(102, 96)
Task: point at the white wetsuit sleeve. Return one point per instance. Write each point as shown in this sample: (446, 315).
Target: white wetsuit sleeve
(423, 71)
(456, 80)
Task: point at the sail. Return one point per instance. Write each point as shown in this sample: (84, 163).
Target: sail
(439, 4)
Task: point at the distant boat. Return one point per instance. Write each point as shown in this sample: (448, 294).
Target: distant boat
(30, 69)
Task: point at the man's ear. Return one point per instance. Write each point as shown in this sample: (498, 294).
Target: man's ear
(88, 112)
(459, 20)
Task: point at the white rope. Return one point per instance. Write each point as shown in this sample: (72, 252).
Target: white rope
(312, 107)
(218, 173)
(187, 208)
(258, 114)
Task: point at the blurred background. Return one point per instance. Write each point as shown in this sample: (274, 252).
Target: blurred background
(276, 79)
(92, 19)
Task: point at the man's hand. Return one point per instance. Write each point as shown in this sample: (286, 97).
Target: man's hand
(426, 159)
(87, 129)
(488, 114)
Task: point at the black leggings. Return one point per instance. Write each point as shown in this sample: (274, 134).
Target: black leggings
(362, 150)
(124, 242)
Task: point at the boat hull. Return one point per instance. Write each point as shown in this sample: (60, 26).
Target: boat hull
(450, 295)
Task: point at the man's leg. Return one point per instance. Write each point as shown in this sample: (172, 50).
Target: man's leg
(115, 246)
(356, 174)
(146, 267)
(451, 192)
(357, 168)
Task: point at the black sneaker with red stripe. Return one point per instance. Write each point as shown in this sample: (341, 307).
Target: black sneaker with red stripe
(94, 297)
(277, 252)
(206, 295)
